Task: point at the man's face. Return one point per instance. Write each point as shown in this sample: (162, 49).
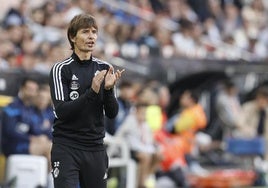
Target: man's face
(85, 39)
(185, 99)
(29, 92)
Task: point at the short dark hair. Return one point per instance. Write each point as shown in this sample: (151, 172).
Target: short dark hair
(28, 79)
(194, 94)
(125, 84)
(228, 84)
(78, 22)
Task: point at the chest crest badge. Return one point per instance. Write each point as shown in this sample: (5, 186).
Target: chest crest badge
(74, 85)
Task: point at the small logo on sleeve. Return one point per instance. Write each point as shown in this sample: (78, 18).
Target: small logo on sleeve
(97, 72)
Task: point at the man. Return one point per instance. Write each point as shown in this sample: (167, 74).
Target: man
(18, 131)
(43, 117)
(125, 100)
(139, 137)
(228, 109)
(82, 92)
(179, 146)
(254, 120)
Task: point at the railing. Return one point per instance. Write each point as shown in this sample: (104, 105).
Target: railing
(119, 156)
(165, 70)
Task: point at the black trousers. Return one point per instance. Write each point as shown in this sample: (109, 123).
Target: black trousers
(73, 167)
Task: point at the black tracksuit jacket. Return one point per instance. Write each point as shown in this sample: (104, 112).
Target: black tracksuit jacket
(79, 111)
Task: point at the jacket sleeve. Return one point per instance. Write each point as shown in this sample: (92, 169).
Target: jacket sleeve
(9, 123)
(110, 103)
(10, 133)
(65, 109)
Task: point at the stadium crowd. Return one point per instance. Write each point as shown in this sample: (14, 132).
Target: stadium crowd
(33, 36)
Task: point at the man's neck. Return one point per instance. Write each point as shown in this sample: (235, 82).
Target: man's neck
(83, 55)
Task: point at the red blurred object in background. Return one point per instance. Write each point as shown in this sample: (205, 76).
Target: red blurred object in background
(223, 179)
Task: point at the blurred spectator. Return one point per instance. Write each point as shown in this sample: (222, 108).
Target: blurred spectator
(228, 108)
(19, 134)
(231, 20)
(47, 55)
(160, 99)
(148, 95)
(139, 137)
(216, 11)
(201, 8)
(191, 36)
(7, 55)
(247, 38)
(255, 13)
(190, 118)
(166, 46)
(257, 48)
(17, 119)
(43, 112)
(15, 35)
(108, 38)
(212, 34)
(125, 103)
(173, 161)
(177, 140)
(16, 15)
(254, 119)
(228, 50)
(72, 9)
(43, 118)
(184, 37)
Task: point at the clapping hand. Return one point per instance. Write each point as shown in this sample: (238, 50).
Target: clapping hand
(112, 77)
(97, 80)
